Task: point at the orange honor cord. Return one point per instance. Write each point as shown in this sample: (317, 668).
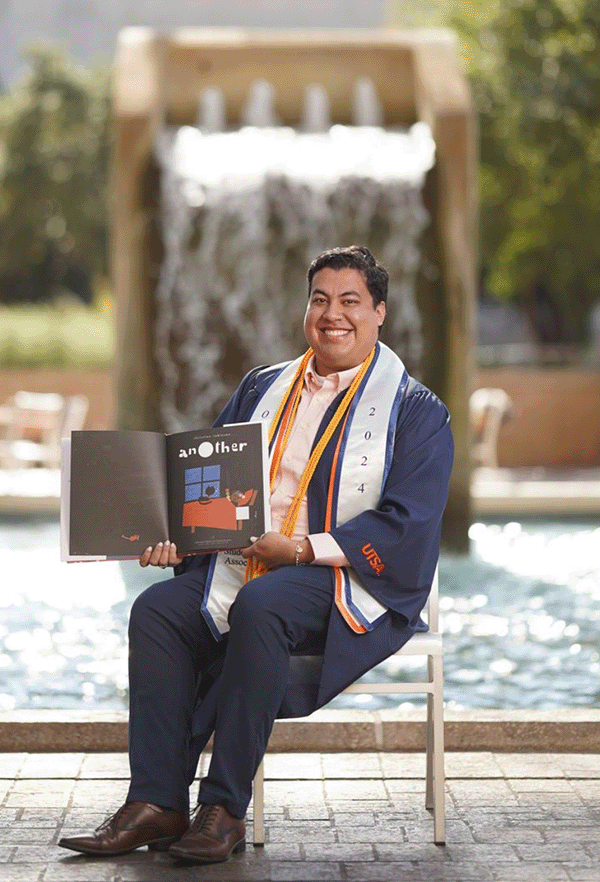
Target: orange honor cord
(290, 403)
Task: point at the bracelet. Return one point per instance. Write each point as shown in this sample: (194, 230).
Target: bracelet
(299, 551)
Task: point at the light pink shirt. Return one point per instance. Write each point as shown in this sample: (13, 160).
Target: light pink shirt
(317, 395)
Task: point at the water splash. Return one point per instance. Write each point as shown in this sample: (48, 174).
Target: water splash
(518, 632)
(243, 213)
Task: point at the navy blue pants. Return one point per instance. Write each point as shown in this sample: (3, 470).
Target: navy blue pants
(171, 648)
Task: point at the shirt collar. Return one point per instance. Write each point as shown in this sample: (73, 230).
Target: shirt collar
(338, 380)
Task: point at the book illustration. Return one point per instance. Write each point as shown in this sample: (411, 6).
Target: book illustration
(205, 507)
(135, 537)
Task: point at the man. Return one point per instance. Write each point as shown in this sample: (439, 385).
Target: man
(360, 462)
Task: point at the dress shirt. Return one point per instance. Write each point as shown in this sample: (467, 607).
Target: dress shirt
(317, 394)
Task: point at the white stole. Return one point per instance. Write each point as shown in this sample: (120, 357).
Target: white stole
(365, 463)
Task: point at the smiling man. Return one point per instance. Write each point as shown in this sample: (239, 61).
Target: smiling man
(360, 461)
(342, 319)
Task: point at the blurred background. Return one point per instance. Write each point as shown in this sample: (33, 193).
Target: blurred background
(522, 605)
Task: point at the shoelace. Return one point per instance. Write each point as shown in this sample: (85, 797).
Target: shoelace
(112, 821)
(205, 816)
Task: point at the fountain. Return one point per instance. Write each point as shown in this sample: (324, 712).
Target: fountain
(243, 213)
(215, 223)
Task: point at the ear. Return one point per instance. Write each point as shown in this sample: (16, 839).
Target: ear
(380, 310)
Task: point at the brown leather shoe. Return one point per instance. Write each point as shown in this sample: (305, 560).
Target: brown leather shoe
(135, 824)
(214, 836)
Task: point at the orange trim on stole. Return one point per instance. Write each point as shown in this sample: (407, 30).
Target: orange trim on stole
(352, 623)
(356, 626)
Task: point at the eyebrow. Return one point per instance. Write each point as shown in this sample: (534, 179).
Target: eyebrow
(343, 294)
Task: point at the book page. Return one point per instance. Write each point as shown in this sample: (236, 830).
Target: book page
(218, 491)
(118, 495)
(65, 506)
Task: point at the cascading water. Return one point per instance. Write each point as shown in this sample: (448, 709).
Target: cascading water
(244, 212)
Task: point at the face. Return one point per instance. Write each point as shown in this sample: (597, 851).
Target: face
(341, 323)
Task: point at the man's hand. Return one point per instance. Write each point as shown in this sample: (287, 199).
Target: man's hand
(164, 554)
(275, 550)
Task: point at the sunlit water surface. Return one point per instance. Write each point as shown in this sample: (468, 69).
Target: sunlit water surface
(521, 618)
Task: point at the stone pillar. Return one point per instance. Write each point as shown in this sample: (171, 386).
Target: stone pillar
(137, 111)
(443, 101)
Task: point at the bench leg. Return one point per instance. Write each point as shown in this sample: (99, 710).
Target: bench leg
(259, 805)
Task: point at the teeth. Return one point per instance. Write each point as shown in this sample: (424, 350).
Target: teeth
(332, 333)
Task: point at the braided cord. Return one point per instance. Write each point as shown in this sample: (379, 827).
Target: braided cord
(256, 568)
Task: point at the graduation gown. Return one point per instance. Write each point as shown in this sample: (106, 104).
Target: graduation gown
(403, 530)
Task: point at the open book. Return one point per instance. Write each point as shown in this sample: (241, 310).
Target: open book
(205, 490)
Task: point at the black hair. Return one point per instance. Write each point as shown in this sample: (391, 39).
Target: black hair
(354, 257)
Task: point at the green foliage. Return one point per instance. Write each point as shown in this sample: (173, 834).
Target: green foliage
(47, 336)
(535, 70)
(54, 145)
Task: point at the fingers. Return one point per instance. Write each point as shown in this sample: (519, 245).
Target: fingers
(174, 558)
(163, 554)
(250, 549)
(272, 549)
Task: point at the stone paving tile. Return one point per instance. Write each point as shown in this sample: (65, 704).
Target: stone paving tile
(367, 788)
(403, 765)
(360, 805)
(401, 788)
(579, 765)
(308, 812)
(6, 852)
(295, 766)
(51, 765)
(588, 790)
(486, 791)
(351, 765)
(339, 851)
(10, 763)
(105, 765)
(530, 872)
(546, 785)
(103, 796)
(581, 832)
(514, 834)
(530, 827)
(280, 851)
(317, 831)
(21, 873)
(472, 765)
(392, 872)
(34, 854)
(455, 832)
(381, 833)
(565, 813)
(38, 817)
(525, 765)
(359, 819)
(556, 852)
(79, 870)
(281, 793)
(458, 873)
(579, 873)
(592, 848)
(55, 796)
(27, 835)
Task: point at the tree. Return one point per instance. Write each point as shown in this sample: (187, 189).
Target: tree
(54, 144)
(535, 70)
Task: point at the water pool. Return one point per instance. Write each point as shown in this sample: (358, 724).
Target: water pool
(521, 617)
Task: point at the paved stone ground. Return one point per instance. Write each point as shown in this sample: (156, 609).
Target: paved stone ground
(335, 817)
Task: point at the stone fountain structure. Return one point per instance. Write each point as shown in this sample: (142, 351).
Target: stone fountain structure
(237, 158)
